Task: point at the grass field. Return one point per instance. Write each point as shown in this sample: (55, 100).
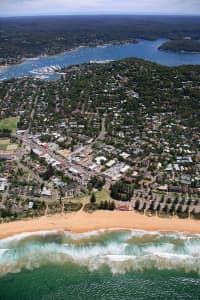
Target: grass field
(3, 147)
(100, 196)
(9, 123)
(103, 196)
(4, 141)
(12, 147)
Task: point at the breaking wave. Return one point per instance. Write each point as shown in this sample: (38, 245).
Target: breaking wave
(120, 251)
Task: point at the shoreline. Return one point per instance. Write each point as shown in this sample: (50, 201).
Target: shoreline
(81, 222)
(178, 51)
(3, 68)
(71, 49)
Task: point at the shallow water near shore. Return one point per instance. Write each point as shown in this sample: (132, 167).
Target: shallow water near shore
(100, 265)
(144, 49)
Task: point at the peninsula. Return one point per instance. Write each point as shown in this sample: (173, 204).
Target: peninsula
(121, 135)
(26, 37)
(183, 45)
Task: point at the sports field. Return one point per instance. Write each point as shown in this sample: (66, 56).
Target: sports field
(9, 123)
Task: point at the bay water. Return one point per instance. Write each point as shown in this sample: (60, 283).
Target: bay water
(144, 49)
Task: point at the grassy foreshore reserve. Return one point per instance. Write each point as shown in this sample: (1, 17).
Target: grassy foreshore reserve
(83, 222)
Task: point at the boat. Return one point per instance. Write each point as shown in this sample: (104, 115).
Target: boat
(33, 58)
(41, 77)
(46, 70)
(100, 61)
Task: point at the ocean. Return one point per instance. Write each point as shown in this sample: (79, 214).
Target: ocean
(100, 265)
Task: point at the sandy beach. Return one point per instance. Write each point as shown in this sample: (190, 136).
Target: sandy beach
(3, 68)
(82, 222)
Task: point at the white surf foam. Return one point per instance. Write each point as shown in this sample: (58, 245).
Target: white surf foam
(120, 252)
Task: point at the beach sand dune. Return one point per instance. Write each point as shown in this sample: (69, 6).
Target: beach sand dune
(82, 222)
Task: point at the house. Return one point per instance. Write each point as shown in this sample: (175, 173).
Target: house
(71, 190)
(124, 207)
(174, 189)
(162, 188)
(93, 167)
(110, 163)
(30, 205)
(46, 192)
(37, 152)
(3, 184)
(124, 169)
(125, 155)
(128, 180)
(2, 187)
(100, 159)
(4, 180)
(73, 171)
(169, 168)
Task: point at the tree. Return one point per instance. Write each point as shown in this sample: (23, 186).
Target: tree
(42, 186)
(162, 199)
(93, 198)
(101, 205)
(169, 200)
(137, 204)
(48, 173)
(89, 186)
(179, 209)
(96, 182)
(112, 205)
(106, 204)
(172, 208)
(165, 208)
(35, 205)
(151, 207)
(176, 200)
(158, 207)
